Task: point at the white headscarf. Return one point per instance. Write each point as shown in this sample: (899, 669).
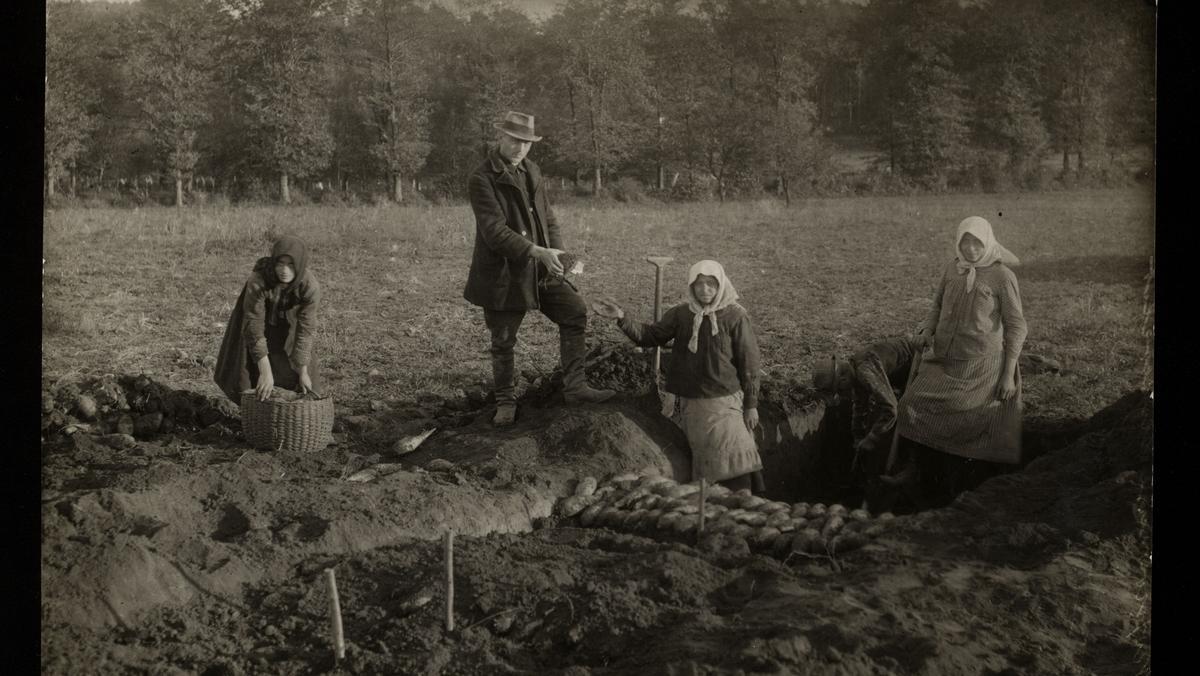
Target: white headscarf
(992, 250)
(726, 296)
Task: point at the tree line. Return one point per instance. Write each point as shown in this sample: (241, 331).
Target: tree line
(719, 97)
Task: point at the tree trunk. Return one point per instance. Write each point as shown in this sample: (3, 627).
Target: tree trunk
(49, 182)
(72, 183)
(1081, 165)
(892, 142)
(787, 191)
(284, 195)
(858, 80)
(397, 188)
(659, 143)
(178, 190)
(1066, 161)
(662, 178)
(596, 185)
(192, 182)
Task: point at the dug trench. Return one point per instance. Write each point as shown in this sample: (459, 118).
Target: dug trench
(185, 550)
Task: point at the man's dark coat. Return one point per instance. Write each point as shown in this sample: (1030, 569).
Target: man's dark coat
(503, 274)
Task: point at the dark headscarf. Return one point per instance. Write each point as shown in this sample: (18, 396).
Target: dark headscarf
(288, 245)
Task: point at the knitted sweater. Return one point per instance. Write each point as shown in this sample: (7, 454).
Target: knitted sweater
(721, 365)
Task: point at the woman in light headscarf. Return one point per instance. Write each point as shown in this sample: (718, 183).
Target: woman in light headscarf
(714, 372)
(964, 403)
(268, 340)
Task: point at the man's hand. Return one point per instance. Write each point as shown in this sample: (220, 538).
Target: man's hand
(750, 415)
(305, 379)
(266, 380)
(863, 447)
(607, 307)
(548, 258)
(1007, 387)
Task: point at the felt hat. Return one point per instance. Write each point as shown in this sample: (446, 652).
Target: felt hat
(518, 125)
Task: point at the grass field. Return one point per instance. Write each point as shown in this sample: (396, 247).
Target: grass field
(149, 290)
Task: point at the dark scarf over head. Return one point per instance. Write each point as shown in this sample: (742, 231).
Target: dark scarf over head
(288, 245)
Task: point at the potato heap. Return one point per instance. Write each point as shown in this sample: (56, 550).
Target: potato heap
(129, 405)
(660, 507)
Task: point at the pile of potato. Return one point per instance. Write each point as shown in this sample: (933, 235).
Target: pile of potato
(129, 405)
(658, 506)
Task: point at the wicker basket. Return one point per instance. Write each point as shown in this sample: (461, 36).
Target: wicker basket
(297, 426)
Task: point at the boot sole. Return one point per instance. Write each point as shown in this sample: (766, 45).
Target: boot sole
(506, 423)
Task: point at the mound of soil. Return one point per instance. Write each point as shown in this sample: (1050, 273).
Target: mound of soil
(195, 554)
(613, 366)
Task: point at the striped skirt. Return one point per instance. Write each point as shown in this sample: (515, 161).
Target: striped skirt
(951, 406)
(722, 447)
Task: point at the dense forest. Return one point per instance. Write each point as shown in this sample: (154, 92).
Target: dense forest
(179, 101)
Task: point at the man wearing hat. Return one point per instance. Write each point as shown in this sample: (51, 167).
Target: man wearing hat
(870, 377)
(515, 266)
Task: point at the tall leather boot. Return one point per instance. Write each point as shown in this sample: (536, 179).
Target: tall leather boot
(503, 376)
(572, 350)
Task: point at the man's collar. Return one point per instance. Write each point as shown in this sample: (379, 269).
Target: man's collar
(500, 165)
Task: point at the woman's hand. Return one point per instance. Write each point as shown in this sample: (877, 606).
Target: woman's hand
(266, 380)
(750, 415)
(1007, 387)
(305, 379)
(607, 307)
(925, 337)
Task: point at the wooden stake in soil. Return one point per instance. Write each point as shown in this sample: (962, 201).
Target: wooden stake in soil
(703, 495)
(335, 615)
(449, 540)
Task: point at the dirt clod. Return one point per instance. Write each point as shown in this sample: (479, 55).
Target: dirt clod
(86, 407)
(147, 424)
(118, 441)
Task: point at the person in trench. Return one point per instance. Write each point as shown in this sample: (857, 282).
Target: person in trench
(872, 378)
(960, 418)
(713, 372)
(268, 340)
(515, 266)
